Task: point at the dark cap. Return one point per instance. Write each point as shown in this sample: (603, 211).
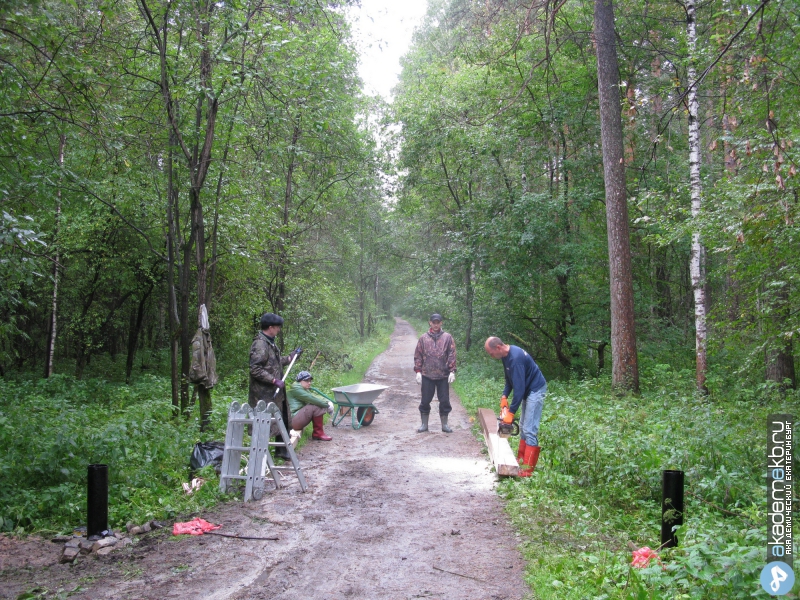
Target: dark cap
(269, 319)
(436, 317)
(304, 376)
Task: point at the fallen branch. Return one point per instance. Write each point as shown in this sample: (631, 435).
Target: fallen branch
(520, 340)
(241, 537)
(458, 574)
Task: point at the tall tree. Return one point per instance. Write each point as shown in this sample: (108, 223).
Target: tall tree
(625, 367)
(195, 144)
(51, 336)
(698, 259)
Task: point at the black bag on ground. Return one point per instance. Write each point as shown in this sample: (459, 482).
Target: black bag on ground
(207, 453)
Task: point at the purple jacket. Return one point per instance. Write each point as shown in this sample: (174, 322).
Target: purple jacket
(435, 356)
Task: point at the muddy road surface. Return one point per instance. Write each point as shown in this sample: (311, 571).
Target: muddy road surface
(389, 514)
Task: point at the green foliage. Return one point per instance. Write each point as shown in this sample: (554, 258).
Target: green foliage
(500, 182)
(117, 185)
(52, 429)
(597, 485)
(19, 246)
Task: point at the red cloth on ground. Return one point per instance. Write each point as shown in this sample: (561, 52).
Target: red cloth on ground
(196, 526)
(643, 556)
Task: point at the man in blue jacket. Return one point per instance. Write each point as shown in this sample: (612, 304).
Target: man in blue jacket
(524, 377)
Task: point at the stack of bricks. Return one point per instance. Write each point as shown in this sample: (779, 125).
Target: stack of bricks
(101, 545)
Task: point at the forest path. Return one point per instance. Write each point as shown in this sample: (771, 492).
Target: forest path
(389, 513)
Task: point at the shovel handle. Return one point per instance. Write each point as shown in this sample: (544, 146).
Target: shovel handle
(291, 364)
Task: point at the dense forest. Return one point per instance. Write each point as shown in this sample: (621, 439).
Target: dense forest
(611, 187)
(501, 146)
(157, 156)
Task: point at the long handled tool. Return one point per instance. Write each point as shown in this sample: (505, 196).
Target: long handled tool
(285, 375)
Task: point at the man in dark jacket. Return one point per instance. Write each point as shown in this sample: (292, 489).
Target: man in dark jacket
(266, 370)
(435, 366)
(524, 377)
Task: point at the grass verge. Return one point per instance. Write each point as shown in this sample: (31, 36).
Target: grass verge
(596, 491)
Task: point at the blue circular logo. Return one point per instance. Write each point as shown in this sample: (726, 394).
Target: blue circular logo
(777, 578)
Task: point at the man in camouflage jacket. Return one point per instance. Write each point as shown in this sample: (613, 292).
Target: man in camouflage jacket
(266, 370)
(435, 366)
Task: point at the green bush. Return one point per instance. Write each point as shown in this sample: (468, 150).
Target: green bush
(597, 486)
(51, 430)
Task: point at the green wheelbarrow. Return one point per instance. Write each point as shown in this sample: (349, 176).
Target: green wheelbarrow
(357, 401)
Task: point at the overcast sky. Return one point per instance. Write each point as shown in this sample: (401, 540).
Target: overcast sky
(383, 29)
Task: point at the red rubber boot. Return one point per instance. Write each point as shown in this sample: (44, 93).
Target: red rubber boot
(319, 433)
(521, 451)
(529, 460)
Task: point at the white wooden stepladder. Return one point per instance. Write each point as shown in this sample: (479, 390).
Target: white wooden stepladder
(259, 461)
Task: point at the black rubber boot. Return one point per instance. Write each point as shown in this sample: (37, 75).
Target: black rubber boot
(445, 428)
(424, 427)
(281, 451)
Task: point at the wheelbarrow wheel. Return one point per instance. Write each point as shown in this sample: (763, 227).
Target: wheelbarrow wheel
(367, 413)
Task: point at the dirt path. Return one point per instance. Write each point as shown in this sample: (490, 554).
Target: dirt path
(389, 514)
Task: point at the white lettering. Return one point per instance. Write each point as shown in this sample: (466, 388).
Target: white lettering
(777, 448)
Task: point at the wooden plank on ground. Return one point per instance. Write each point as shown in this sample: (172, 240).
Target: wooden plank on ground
(503, 459)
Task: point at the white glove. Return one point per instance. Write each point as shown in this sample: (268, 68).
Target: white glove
(451, 378)
(419, 378)
(330, 407)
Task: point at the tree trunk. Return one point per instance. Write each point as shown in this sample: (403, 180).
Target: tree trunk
(133, 337)
(780, 366)
(184, 331)
(81, 342)
(697, 266)
(283, 254)
(566, 320)
(663, 299)
(199, 245)
(174, 318)
(223, 164)
(51, 336)
(470, 296)
(204, 395)
(198, 160)
(625, 368)
(779, 359)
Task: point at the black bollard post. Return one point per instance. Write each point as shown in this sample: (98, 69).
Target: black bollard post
(97, 500)
(671, 506)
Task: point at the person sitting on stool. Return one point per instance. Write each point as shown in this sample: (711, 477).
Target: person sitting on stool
(307, 406)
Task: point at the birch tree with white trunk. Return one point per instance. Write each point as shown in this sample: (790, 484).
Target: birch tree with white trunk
(697, 266)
